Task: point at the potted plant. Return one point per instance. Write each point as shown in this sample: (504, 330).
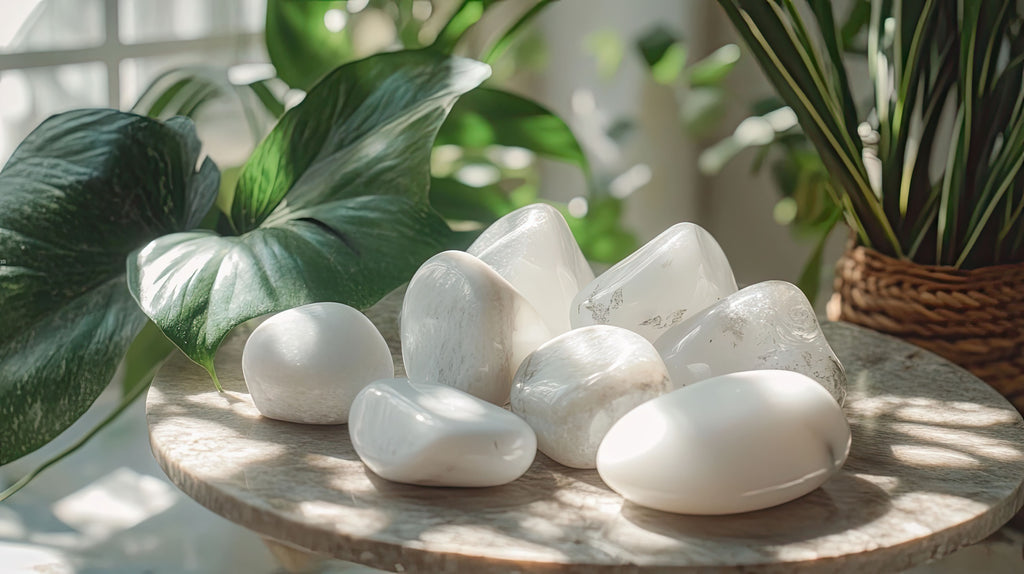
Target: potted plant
(929, 178)
(120, 240)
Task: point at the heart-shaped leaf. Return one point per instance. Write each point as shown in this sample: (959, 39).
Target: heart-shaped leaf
(81, 192)
(332, 206)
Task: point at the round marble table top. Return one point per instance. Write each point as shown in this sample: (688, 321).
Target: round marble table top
(937, 463)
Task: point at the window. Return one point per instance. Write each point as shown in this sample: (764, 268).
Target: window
(57, 55)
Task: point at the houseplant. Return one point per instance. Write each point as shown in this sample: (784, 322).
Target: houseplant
(929, 179)
(109, 218)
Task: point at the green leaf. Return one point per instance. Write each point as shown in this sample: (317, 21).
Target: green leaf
(510, 35)
(670, 67)
(300, 45)
(457, 201)
(187, 91)
(274, 106)
(600, 233)
(356, 133)
(714, 68)
(82, 191)
(181, 92)
(486, 117)
(664, 52)
(197, 286)
(776, 37)
(654, 43)
(332, 206)
(130, 396)
(467, 14)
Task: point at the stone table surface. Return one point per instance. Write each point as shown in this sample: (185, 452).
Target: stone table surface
(937, 463)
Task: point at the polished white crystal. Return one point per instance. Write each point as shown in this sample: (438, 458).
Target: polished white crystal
(464, 325)
(307, 364)
(533, 249)
(733, 443)
(435, 435)
(574, 387)
(676, 274)
(768, 325)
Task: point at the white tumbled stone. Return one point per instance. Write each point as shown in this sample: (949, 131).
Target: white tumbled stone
(769, 325)
(307, 364)
(534, 250)
(464, 325)
(733, 443)
(435, 435)
(574, 387)
(675, 275)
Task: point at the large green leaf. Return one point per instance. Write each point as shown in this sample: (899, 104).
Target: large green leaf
(493, 117)
(82, 191)
(332, 206)
(300, 45)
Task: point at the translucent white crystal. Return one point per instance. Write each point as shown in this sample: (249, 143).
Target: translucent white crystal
(733, 443)
(574, 387)
(306, 364)
(464, 325)
(768, 325)
(435, 435)
(533, 249)
(676, 274)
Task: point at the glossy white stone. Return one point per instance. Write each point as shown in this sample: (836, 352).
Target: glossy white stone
(464, 325)
(768, 325)
(676, 274)
(307, 364)
(733, 443)
(574, 387)
(435, 435)
(533, 249)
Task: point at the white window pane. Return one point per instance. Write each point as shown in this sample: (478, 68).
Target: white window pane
(27, 97)
(253, 15)
(158, 20)
(33, 25)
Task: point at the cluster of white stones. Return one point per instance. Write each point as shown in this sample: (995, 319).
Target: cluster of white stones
(685, 394)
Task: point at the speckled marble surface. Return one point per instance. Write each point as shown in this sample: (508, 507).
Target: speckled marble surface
(937, 463)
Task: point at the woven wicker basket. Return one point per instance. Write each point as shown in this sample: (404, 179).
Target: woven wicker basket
(974, 318)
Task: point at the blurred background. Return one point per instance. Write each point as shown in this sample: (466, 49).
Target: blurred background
(643, 134)
(675, 122)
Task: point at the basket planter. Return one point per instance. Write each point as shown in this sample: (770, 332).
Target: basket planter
(974, 318)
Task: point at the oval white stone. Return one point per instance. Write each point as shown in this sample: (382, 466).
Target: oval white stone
(435, 435)
(676, 274)
(307, 364)
(574, 387)
(769, 325)
(464, 325)
(734, 443)
(534, 250)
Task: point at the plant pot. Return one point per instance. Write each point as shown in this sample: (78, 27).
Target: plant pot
(974, 318)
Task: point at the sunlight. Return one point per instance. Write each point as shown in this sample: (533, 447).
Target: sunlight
(933, 456)
(25, 558)
(967, 414)
(963, 440)
(118, 501)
